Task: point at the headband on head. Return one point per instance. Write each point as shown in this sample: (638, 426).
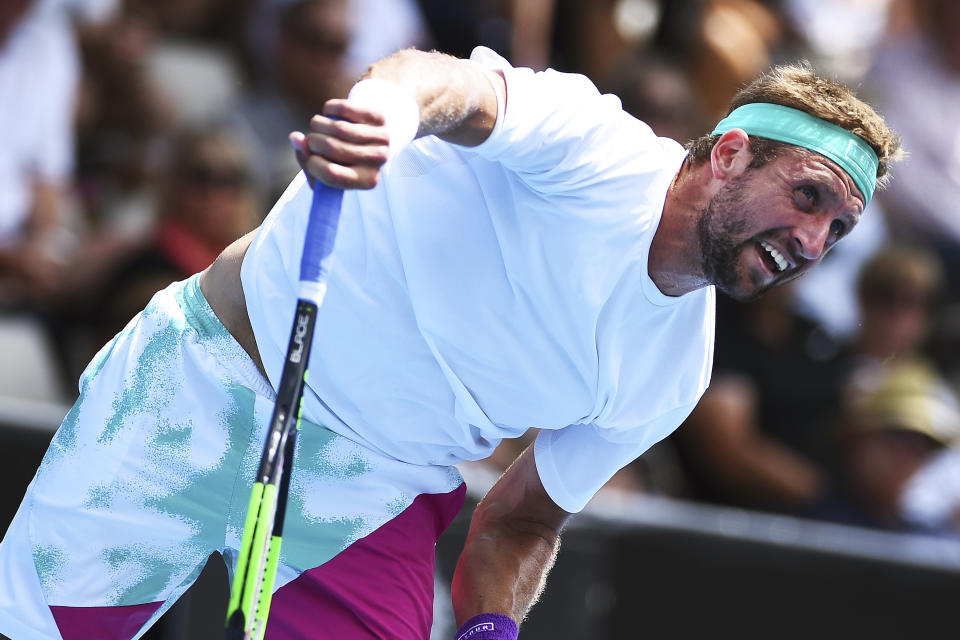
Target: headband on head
(785, 124)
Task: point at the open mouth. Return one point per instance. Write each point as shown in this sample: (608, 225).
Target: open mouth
(775, 261)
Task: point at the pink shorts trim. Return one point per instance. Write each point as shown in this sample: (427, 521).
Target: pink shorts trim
(102, 623)
(379, 587)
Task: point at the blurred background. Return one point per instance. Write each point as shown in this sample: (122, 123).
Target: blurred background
(815, 489)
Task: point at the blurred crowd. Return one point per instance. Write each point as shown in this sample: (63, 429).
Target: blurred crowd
(140, 138)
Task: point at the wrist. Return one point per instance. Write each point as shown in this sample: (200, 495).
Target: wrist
(396, 103)
(488, 626)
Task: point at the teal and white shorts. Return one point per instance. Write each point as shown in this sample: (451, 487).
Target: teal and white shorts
(151, 471)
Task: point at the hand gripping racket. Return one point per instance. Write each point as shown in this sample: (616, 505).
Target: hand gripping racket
(256, 569)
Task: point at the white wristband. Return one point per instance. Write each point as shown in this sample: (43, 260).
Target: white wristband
(396, 103)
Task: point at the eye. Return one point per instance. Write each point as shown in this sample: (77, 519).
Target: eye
(838, 228)
(808, 196)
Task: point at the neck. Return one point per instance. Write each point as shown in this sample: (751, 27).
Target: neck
(675, 263)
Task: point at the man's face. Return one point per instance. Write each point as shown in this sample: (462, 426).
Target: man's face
(770, 225)
(312, 53)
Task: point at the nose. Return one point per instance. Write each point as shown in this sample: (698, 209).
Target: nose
(811, 237)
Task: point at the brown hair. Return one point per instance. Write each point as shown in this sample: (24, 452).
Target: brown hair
(799, 87)
(900, 268)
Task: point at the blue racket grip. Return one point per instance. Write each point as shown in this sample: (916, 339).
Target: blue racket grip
(321, 233)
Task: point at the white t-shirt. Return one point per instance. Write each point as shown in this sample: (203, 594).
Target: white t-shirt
(479, 292)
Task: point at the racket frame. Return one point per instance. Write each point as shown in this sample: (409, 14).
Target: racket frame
(259, 554)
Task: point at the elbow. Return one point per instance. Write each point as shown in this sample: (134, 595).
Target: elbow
(493, 518)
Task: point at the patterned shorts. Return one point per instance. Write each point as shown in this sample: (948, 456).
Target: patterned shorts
(151, 471)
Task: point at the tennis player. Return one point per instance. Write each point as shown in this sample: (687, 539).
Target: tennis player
(514, 251)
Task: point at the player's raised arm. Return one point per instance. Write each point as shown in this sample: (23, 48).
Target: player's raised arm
(513, 540)
(404, 96)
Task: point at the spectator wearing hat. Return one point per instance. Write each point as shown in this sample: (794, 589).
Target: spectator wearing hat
(896, 419)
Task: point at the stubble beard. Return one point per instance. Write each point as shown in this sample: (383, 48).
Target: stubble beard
(722, 228)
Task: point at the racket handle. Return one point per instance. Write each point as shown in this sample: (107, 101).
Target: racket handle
(319, 238)
(235, 626)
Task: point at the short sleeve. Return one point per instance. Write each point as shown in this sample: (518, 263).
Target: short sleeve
(575, 462)
(557, 131)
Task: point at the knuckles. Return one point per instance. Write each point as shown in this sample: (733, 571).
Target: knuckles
(340, 176)
(337, 150)
(341, 154)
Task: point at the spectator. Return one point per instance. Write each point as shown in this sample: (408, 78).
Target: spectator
(314, 36)
(377, 29)
(196, 61)
(206, 202)
(899, 410)
(304, 52)
(763, 435)
(38, 73)
(916, 82)
(897, 292)
(123, 121)
(896, 418)
(759, 437)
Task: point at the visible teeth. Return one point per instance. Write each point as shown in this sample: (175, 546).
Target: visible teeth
(776, 255)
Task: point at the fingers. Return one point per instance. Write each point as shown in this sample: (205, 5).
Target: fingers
(340, 176)
(299, 143)
(351, 112)
(337, 163)
(344, 148)
(347, 149)
(352, 132)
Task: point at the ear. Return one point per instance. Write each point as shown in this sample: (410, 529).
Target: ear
(731, 154)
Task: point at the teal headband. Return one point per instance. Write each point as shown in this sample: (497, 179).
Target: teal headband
(796, 127)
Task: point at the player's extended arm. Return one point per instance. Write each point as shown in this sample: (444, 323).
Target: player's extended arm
(457, 102)
(513, 540)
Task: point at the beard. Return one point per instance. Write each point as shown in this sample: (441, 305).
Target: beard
(722, 230)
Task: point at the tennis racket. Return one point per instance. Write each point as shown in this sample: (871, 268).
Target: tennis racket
(259, 556)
